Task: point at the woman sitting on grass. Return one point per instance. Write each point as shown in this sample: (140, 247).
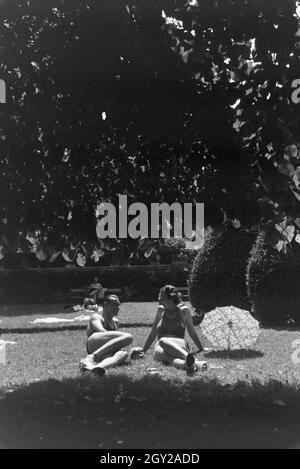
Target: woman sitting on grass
(172, 318)
(104, 340)
(90, 304)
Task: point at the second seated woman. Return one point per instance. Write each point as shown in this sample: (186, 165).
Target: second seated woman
(172, 319)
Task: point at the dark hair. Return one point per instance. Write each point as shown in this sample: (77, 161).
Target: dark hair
(112, 299)
(172, 293)
(88, 302)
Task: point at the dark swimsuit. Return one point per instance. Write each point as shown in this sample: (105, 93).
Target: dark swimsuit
(107, 326)
(171, 324)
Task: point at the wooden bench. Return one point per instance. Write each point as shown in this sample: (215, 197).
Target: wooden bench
(77, 294)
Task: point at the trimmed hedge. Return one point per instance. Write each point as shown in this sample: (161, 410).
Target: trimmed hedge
(219, 270)
(53, 285)
(273, 283)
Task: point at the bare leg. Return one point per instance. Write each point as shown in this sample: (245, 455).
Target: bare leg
(162, 356)
(176, 348)
(174, 352)
(106, 344)
(117, 359)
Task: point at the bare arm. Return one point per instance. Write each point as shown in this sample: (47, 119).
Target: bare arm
(96, 323)
(187, 318)
(117, 323)
(153, 333)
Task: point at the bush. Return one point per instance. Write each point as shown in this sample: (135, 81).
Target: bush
(141, 283)
(188, 255)
(273, 283)
(171, 250)
(218, 273)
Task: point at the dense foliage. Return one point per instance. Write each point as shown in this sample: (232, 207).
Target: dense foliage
(218, 277)
(162, 100)
(273, 281)
(138, 283)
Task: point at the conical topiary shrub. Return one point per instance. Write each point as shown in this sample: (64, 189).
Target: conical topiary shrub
(273, 283)
(218, 276)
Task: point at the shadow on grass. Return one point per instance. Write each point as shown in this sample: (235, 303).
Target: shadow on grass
(234, 354)
(61, 327)
(9, 310)
(288, 328)
(121, 412)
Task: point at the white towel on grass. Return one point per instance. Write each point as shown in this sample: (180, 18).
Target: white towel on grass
(57, 320)
(7, 342)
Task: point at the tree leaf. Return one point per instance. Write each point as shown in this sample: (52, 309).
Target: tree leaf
(296, 177)
(41, 255)
(149, 251)
(289, 232)
(279, 245)
(65, 255)
(236, 223)
(97, 253)
(296, 195)
(80, 260)
(281, 226)
(291, 151)
(54, 256)
(145, 244)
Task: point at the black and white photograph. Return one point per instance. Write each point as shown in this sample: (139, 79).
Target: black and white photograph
(149, 227)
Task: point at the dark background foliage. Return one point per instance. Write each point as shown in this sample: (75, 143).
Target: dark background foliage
(219, 271)
(273, 281)
(161, 100)
(108, 98)
(138, 283)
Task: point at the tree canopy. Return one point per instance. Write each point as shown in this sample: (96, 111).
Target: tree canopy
(162, 100)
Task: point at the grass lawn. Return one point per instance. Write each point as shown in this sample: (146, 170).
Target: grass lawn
(20, 318)
(247, 399)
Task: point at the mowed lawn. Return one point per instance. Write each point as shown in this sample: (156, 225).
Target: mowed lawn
(246, 399)
(19, 317)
